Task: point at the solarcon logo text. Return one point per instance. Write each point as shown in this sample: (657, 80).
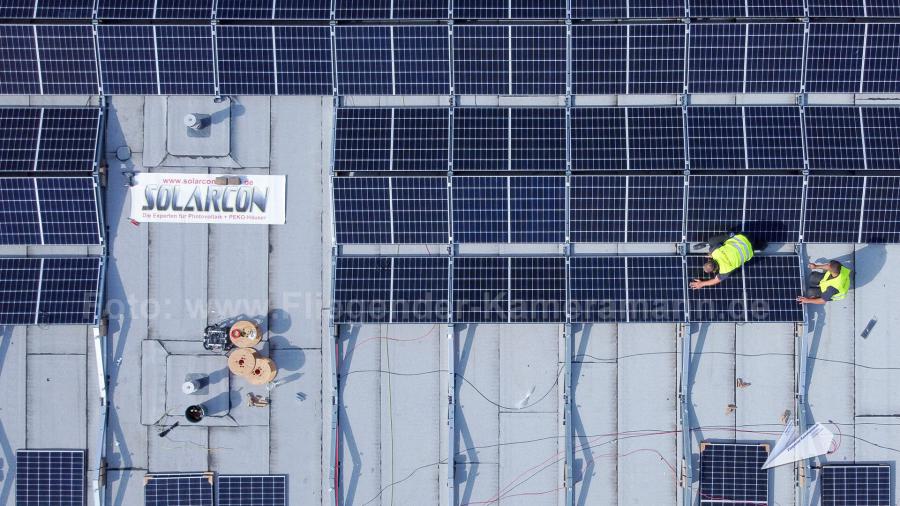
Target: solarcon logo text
(185, 198)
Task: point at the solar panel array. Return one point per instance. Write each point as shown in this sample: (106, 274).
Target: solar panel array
(36, 290)
(733, 473)
(48, 139)
(251, 490)
(856, 485)
(54, 477)
(176, 489)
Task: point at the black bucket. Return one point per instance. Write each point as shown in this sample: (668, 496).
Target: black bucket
(194, 413)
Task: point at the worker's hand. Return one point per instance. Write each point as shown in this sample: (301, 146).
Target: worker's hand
(696, 284)
(812, 266)
(802, 300)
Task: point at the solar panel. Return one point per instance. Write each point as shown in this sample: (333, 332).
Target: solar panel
(364, 60)
(836, 8)
(599, 9)
(421, 139)
(833, 209)
(420, 290)
(127, 60)
(775, 8)
(125, 9)
(538, 9)
(481, 289)
(715, 206)
(717, 55)
(882, 9)
(17, 9)
(185, 60)
(881, 212)
(481, 209)
(362, 289)
(598, 137)
(881, 71)
(655, 289)
(655, 138)
(733, 472)
(422, 59)
(50, 477)
(598, 209)
(537, 206)
(68, 62)
(419, 208)
(363, 9)
(773, 285)
(598, 289)
(481, 60)
(774, 57)
(68, 210)
(362, 213)
(246, 60)
(772, 208)
(183, 9)
(251, 490)
(19, 288)
(303, 56)
(301, 9)
(537, 290)
(19, 217)
(481, 138)
(856, 485)
(834, 138)
(774, 138)
(195, 489)
(656, 8)
(398, 9)
(69, 138)
(881, 137)
(718, 8)
(716, 138)
(362, 139)
(69, 291)
(245, 9)
(656, 58)
(721, 303)
(19, 131)
(834, 57)
(481, 9)
(65, 9)
(19, 72)
(538, 60)
(538, 138)
(655, 208)
(599, 59)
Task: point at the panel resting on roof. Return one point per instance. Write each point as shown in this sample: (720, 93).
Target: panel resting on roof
(54, 477)
(856, 484)
(733, 472)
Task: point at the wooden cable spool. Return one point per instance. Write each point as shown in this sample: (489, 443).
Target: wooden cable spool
(244, 334)
(242, 361)
(263, 372)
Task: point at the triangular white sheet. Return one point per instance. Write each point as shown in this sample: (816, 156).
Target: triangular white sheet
(791, 448)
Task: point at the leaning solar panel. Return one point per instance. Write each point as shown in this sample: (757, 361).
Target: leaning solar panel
(837, 8)
(538, 138)
(69, 291)
(50, 477)
(69, 139)
(722, 303)
(833, 209)
(774, 137)
(599, 9)
(19, 287)
(537, 207)
(185, 60)
(481, 289)
(537, 289)
(421, 139)
(19, 132)
(597, 208)
(882, 72)
(127, 60)
(17, 9)
(717, 58)
(834, 58)
(419, 208)
(718, 8)
(156, 9)
(772, 208)
(303, 56)
(397, 9)
(251, 490)
(67, 60)
(64, 9)
(656, 9)
(882, 8)
(773, 284)
(599, 138)
(363, 139)
(655, 138)
(656, 59)
(183, 9)
(733, 472)
(599, 59)
(775, 8)
(774, 57)
(716, 138)
(655, 289)
(481, 60)
(248, 9)
(246, 59)
(856, 485)
(715, 205)
(19, 73)
(68, 210)
(538, 60)
(509, 9)
(301, 9)
(421, 60)
(655, 207)
(834, 138)
(481, 207)
(881, 212)
(364, 60)
(420, 291)
(362, 213)
(481, 138)
(179, 489)
(598, 289)
(362, 289)
(19, 217)
(881, 136)
(125, 9)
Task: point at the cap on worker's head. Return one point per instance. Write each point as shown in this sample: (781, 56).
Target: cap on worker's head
(710, 266)
(834, 266)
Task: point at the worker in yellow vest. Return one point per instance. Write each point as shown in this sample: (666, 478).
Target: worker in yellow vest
(829, 281)
(727, 253)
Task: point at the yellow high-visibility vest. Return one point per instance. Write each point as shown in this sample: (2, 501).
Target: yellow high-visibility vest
(841, 283)
(734, 253)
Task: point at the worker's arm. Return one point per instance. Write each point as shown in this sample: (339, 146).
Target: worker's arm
(811, 300)
(698, 283)
(813, 266)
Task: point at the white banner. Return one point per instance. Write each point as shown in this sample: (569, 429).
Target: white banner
(198, 198)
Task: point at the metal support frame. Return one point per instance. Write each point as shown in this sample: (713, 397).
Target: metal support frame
(568, 336)
(803, 468)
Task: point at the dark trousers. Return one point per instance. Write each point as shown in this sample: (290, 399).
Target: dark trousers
(812, 289)
(717, 241)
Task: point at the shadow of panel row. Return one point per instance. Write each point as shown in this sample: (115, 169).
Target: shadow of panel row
(167, 59)
(499, 289)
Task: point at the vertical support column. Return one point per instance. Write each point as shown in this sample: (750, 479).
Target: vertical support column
(569, 471)
(803, 471)
(451, 409)
(334, 468)
(684, 399)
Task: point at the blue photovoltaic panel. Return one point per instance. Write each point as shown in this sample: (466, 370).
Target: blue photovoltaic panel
(598, 289)
(537, 209)
(773, 285)
(655, 289)
(69, 289)
(364, 60)
(856, 484)
(301, 9)
(420, 291)
(882, 9)
(19, 218)
(65, 9)
(881, 213)
(420, 212)
(656, 8)
(834, 138)
(422, 60)
(882, 66)
(716, 138)
(836, 8)
(54, 477)
(362, 289)
(481, 9)
(421, 139)
(717, 58)
(733, 472)
(774, 138)
(362, 212)
(655, 208)
(184, 9)
(125, 9)
(246, 9)
(481, 138)
(715, 206)
(69, 138)
(774, 58)
(362, 139)
(721, 303)
(19, 72)
(421, 9)
(538, 139)
(772, 208)
(717, 9)
(833, 209)
(303, 54)
(881, 127)
(480, 209)
(656, 58)
(598, 209)
(246, 60)
(185, 59)
(363, 9)
(17, 9)
(538, 9)
(251, 490)
(598, 138)
(481, 64)
(775, 8)
(68, 210)
(599, 59)
(481, 289)
(539, 60)
(655, 138)
(398, 9)
(834, 58)
(127, 60)
(537, 289)
(19, 131)
(19, 287)
(599, 9)
(195, 489)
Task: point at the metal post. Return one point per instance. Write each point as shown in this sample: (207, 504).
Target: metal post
(804, 469)
(567, 418)
(98, 483)
(684, 398)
